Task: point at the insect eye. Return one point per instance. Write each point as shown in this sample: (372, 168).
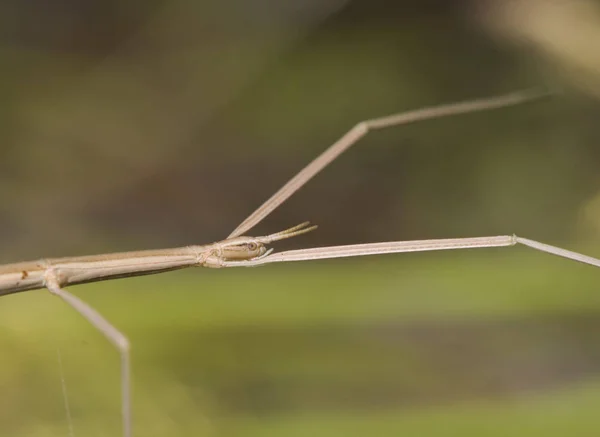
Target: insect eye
(252, 246)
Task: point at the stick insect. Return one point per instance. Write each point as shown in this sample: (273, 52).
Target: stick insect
(238, 250)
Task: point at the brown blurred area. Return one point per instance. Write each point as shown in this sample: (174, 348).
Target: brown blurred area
(127, 125)
(132, 124)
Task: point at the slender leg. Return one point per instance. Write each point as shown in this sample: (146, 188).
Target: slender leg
(352, 250)
(362, 128)
(63, 384)
(411, 246)
(110, 332)
(558, 251)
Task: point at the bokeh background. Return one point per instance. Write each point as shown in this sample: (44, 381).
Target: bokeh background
(128, 125)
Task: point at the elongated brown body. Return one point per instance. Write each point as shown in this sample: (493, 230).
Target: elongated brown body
(30, 275)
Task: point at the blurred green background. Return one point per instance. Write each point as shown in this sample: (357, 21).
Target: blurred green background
(131, 125)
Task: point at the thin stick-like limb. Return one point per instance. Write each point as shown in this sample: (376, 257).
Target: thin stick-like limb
(412, 246)
(111, 333)
(362, 128)
(63, 386)
(563, 253)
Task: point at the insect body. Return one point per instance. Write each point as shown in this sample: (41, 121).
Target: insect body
(244, 251)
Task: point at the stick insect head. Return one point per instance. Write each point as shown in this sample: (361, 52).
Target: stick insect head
(240, 249)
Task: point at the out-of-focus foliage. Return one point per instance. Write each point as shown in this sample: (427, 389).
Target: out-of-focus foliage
(130, 125)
